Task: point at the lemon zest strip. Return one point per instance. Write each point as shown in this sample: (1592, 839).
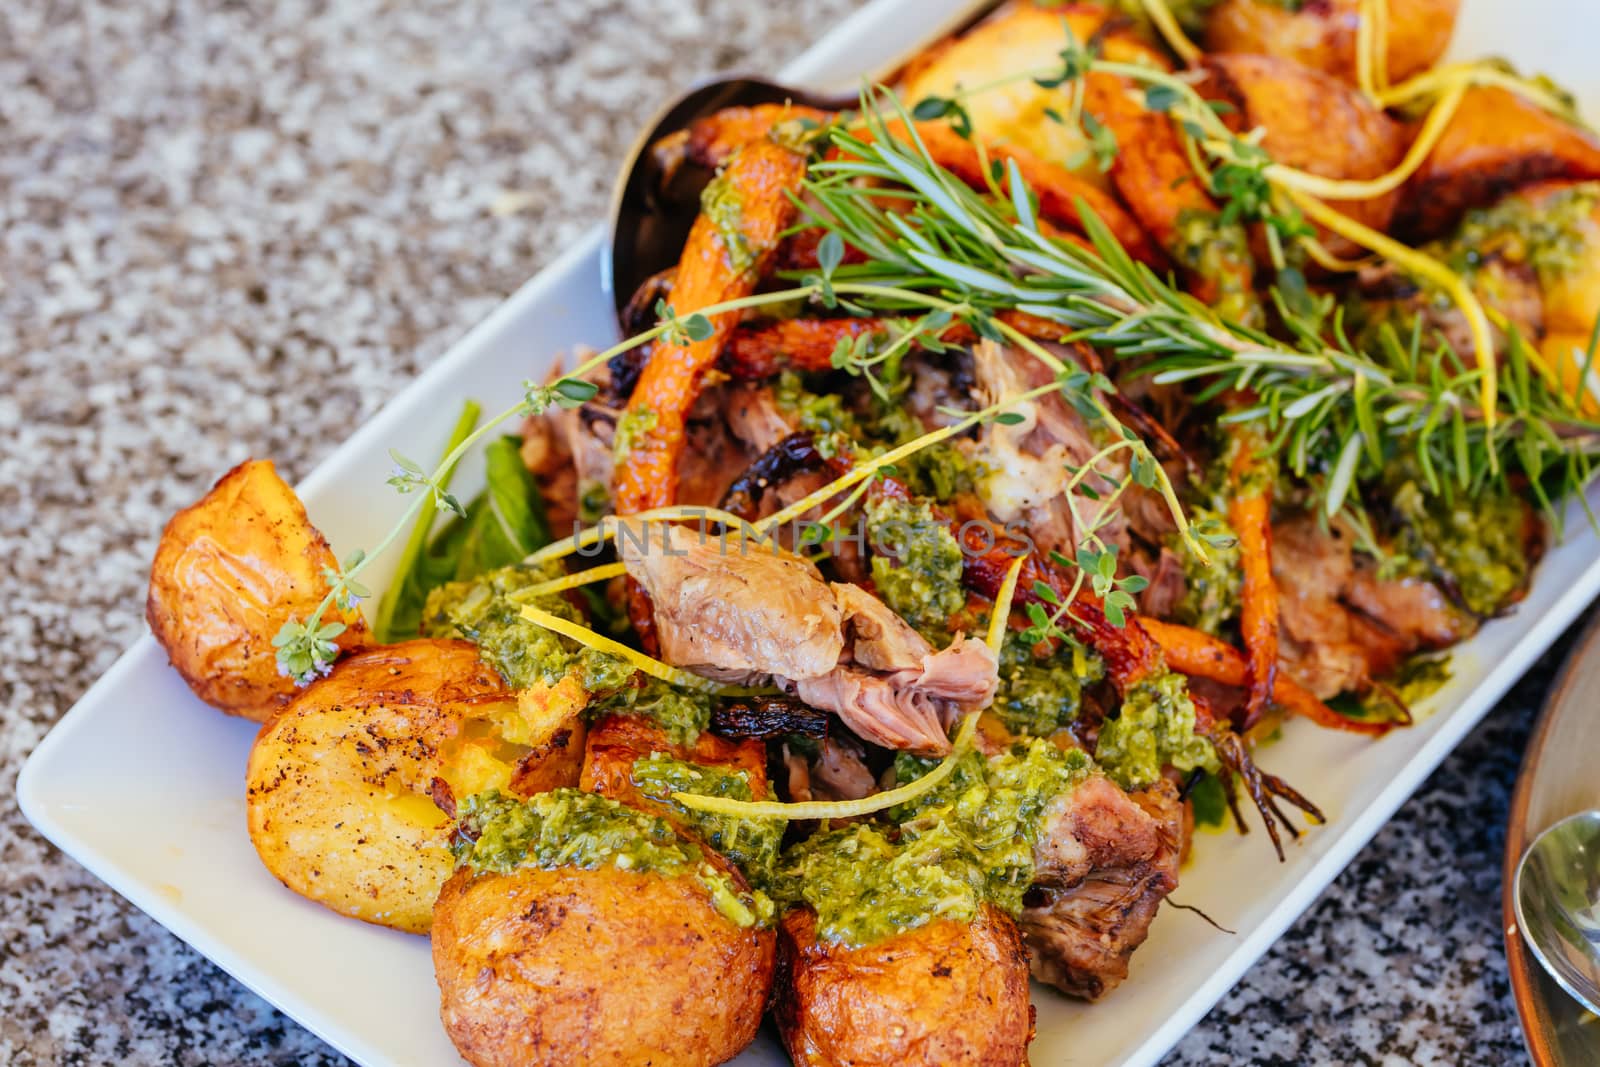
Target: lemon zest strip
(600, 643)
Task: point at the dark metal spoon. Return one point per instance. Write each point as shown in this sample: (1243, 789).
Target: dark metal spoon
(654, 205)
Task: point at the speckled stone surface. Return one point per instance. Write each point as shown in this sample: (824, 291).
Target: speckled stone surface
(232, 229)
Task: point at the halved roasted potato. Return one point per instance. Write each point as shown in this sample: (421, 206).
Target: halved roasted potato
(1322, 35)
(1497, 142)
(596, 936)
(946, 993)
(229, 571)
(1027, 37)
(344, 788)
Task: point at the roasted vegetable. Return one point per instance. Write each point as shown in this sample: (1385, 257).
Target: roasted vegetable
(947, 992)
(1312, 122)
(578, 931)
(229, 571)
(1322, 34)
(1495, 143)
(343, 789)
(1027, 37)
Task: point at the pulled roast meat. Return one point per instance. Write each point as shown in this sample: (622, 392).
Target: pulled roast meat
(1105, 862)
(1343, 624)
(838, 771)
(734, 610)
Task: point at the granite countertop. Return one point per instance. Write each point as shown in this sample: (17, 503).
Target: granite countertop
(232, 229)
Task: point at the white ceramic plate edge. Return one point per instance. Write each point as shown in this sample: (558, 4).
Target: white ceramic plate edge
(840, 52)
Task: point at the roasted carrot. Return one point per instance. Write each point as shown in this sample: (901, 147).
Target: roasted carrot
(1250, 515)
(1199, 655)
(760, 350)
(651, 434)
(1058, 189)
(1153, 174)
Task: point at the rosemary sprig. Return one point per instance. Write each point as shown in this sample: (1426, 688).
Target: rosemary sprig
(1335, 413)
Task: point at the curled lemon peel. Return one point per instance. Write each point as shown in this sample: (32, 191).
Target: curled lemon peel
(1440, 79)
(1372, 48)
(1427, 140)
(845, 809)
(1161, 16)
(649, 665)
(571, 581)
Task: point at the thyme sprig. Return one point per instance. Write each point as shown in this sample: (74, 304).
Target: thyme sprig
(306, 648)
(1334, 412)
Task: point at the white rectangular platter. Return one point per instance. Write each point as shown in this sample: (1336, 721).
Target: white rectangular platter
(144, 785)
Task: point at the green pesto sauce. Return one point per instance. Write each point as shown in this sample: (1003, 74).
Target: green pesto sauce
(572, 828)
(917, 565)
(1474, 540)
(1551, 236)
(753, 844)
(487, 611)
(865, 887)
(682, 716)
(720, 203)
(1155, 729)
(1040, 694)
(1220, 253)
(996, 805)
(631, 427)
(1211, 593)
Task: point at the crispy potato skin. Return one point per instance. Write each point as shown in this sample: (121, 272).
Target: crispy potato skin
(339, 787)
(1322, 34)
(1313, 122)
(1496, 143)
(229, 571)
(945, 993)
(604, 967)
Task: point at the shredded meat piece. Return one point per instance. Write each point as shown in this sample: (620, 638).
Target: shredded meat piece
(754, 417)
(1082, 936)
(1415, 609)
(1167, 587)
(1093, 826)
(1342, 625)
(900, 718)
(729, 614)
(840, 772)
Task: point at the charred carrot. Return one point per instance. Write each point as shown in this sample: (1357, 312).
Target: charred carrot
(1199, 655)
(1250, 515)
(727, 253)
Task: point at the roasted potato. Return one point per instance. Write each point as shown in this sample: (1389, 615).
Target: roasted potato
(1322, 35)
(1497, 142)
(1313, 122)
(617, 741)
(607, 967)
(342, 786)
(229, 571)
(1024, 38)
(945, 993)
